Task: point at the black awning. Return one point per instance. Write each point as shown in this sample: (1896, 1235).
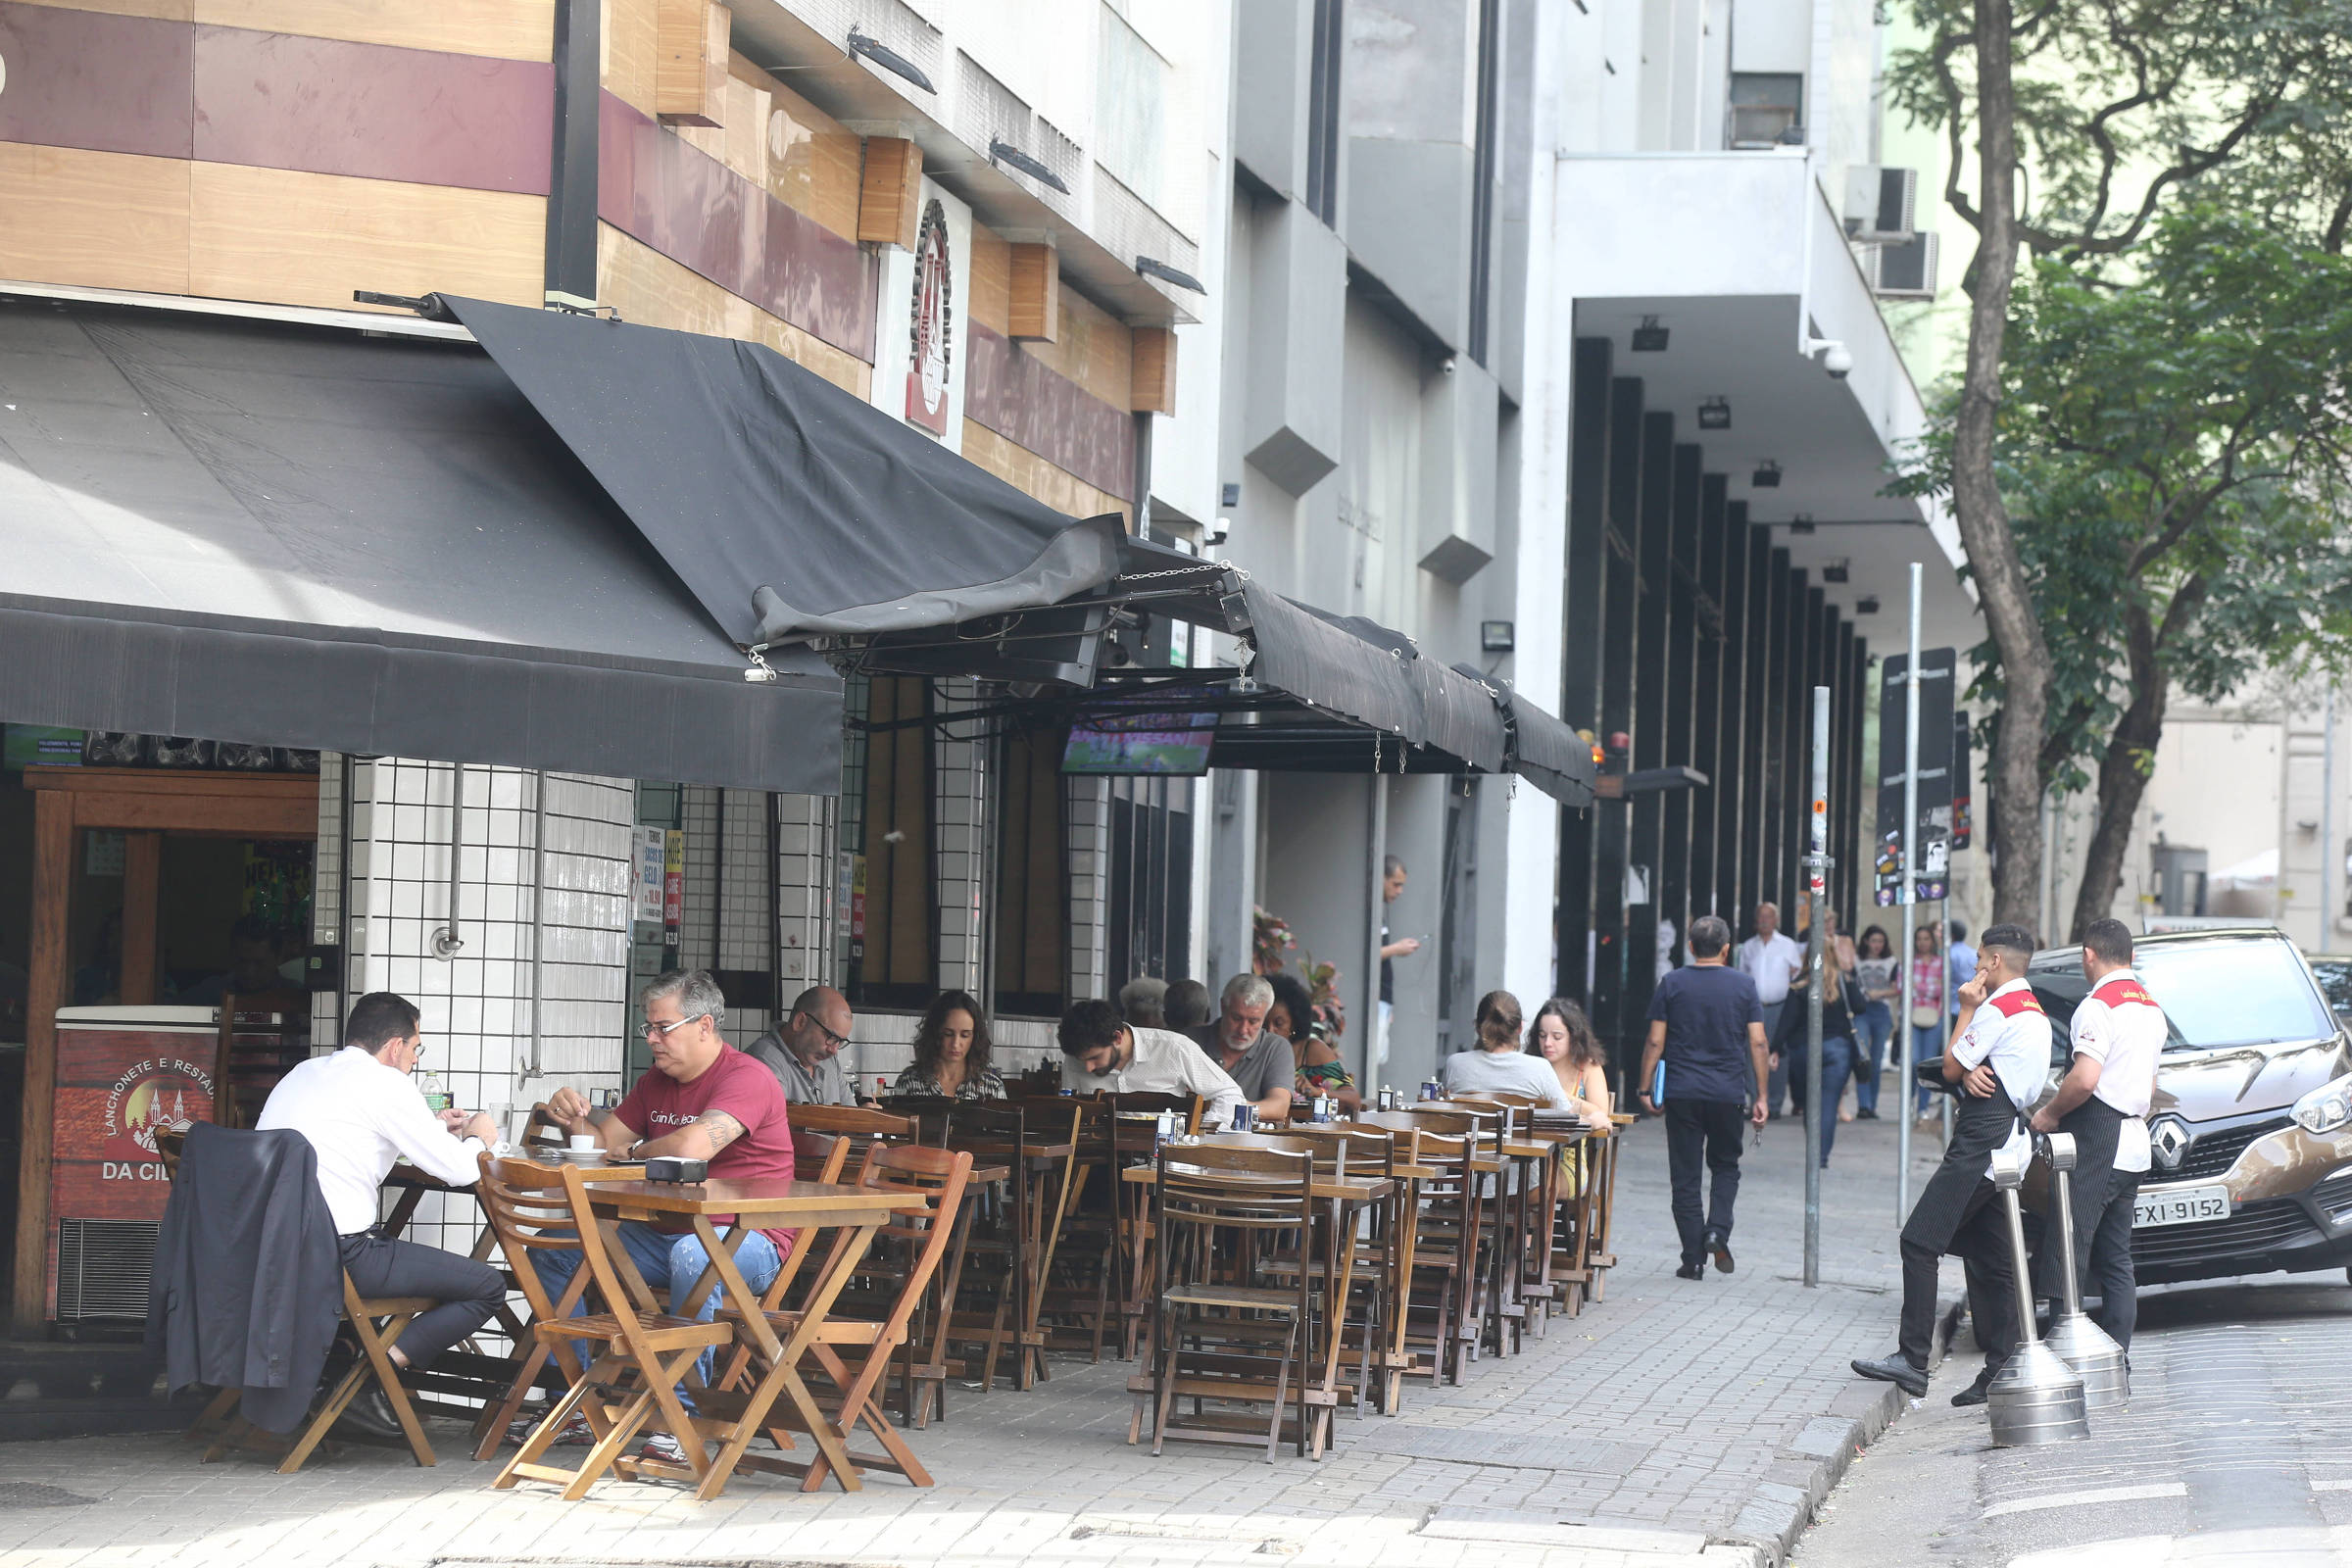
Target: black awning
(297, 536)
(790, 508)
(1545, 752)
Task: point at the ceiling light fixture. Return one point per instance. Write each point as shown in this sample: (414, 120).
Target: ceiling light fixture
(889, 59)
(1001, 151)
(1152, 267)
(1767, 476)
(1866, 607)
(1649, 337)
(1835, 571)
(1715, 413)
(1803, 523)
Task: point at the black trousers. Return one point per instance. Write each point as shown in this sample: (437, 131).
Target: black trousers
(2110, 1260)
(1703, 1131)
(2096, 1126)
(1981, 1241)
(468, 1292)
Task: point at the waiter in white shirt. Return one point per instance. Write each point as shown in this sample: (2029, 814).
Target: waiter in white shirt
(1771, 961)
(2118, 1033)
(2000, 1059)
(361, 1112)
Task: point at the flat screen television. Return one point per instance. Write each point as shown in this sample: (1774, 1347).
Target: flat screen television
(1153, 741)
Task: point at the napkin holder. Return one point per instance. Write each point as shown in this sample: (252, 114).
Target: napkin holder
(671, 1168)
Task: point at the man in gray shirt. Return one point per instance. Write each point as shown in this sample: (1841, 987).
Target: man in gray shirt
(805, 1055)
(1238, 1040)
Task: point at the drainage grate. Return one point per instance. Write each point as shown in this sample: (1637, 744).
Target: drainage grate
(32, 1495)
(1516, 1449)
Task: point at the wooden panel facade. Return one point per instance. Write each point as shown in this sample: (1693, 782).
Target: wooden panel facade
(648, 288)
(890, 201)
(1035, 302)
(98, 219)
(690, 61)
(1032, 474)
(1155, 374)
(509, 29)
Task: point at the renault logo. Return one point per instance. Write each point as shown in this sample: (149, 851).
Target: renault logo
(2170, 1142)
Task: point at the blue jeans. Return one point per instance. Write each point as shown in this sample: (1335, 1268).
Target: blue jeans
(669, 1262)
(1874, 1026)
(1925, 1043)
(1837, 1066)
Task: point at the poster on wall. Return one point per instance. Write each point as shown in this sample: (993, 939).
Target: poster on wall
(1936, 737)
(673, 890)
(651, 863)
(922, 328)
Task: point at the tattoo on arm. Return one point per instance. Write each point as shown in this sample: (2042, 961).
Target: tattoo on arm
(720, 1128)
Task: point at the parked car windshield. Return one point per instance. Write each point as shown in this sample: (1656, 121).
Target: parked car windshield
(2336, 979)
(2252, 990)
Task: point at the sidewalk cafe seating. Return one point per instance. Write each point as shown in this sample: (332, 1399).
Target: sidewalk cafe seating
(641, 1355)
(1218, 1341)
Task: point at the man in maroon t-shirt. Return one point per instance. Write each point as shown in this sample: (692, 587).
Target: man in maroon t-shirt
(703, 1100)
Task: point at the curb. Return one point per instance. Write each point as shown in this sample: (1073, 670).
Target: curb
(1816, 1459)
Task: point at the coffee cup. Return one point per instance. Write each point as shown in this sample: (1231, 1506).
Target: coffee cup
(584, 1143)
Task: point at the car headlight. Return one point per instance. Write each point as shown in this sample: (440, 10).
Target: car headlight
(2326, 1109)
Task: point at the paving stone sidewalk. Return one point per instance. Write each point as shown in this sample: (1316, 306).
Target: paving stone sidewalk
(1664, 1426)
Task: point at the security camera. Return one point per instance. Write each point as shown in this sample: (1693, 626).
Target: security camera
(1838, 361)
(1448, 366)
(1216, 533)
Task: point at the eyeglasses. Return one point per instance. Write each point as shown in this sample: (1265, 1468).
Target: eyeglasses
(662, 1031)
(831, 1038)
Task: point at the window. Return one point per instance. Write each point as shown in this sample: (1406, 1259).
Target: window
(1032, 914)
(1482, 174)
(886, 833)
(1764, 104)
(1323, 111)
(1150, 910)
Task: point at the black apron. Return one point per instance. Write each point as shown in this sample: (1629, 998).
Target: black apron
(1978, 1127)
(2096, 1127)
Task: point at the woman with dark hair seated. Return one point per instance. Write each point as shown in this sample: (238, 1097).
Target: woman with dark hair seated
(1320, 1069)
(950, 1053)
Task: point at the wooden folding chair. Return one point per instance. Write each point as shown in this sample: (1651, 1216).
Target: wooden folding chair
(1133, 1139)
(859, 1127)
(377, 1324)
(1217, 1210)
(641, 1355)
(934, 1181)
(524, 1218)
(1077, 1277)
(1438, 1290)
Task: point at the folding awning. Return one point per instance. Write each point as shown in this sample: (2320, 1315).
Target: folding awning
(1550, 756)
(790, 509)
(300, 536)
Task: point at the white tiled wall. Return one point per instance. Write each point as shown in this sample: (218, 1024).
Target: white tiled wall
(1089, 817)
(806, 840)
(476, 1004)
(959, 808)
(726, 844)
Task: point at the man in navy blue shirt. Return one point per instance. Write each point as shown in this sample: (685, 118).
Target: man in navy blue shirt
(1707, 1025)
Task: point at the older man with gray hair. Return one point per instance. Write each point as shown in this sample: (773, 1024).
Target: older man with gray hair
(1253, 1056)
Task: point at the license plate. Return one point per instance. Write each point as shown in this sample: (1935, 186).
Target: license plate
(2181, 1205)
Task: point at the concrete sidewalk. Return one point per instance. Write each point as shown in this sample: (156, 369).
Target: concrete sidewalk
(1675, 1422)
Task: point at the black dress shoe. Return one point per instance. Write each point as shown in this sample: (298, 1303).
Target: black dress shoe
(1691, 1271)
(1974, 1393)
(1897, 1371)
(369, 1415)
(1721, 1248)
(1866, 1115)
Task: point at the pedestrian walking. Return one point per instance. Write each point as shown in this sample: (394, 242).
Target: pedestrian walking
(1771, 961)
(1836, 1048)
(1704, 1063)
(2119, 1032)
(1924, 1026)
(1999, 1060)
(1964, 960)
(1877, 985)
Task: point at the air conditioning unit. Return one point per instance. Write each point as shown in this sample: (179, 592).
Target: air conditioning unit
(1880, 203)
(1902, 271)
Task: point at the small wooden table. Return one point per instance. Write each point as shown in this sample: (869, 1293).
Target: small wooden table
(805, 1206)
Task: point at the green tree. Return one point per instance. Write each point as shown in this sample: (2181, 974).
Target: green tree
(2112, 106)
(2170, 451)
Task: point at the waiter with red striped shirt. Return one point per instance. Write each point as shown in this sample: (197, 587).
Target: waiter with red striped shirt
(2000, 1058)
(2118, 1033)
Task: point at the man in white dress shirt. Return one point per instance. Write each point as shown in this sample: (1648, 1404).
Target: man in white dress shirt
(1100, 1049)
(2000, 1059)
(2118, 1033)
(1772, 961)
(360, 1110)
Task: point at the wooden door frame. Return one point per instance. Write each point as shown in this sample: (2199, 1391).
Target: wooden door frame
(143, 803)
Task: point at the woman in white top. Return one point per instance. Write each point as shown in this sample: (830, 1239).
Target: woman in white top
(1499, 1065)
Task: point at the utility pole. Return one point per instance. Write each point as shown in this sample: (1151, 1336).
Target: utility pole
(1817, 961)
(1907, 890)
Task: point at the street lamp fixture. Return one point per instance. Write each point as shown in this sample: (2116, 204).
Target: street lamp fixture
(1649, 337)
(1715, 413)
(1001, 151)
(1803, 523)
(1866, 607)
(889, 59)
(1835, 571)
(1151, 266)
(1767, 476)
(1498, 636)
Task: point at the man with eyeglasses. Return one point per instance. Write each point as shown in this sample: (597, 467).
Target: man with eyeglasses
(703, 1100)
(806, 1054)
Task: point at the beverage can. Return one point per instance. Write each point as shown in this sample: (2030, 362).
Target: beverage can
(1322, 1107)
(1431, 1088)
(1242, 1118)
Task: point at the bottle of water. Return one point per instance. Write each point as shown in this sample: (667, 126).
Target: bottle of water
(435, 1092)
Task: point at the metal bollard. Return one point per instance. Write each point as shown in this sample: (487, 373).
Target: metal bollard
(2078, 1342)
(2036, 1398)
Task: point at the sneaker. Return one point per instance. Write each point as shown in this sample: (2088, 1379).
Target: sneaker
(662, 1448)
(576, 1433)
